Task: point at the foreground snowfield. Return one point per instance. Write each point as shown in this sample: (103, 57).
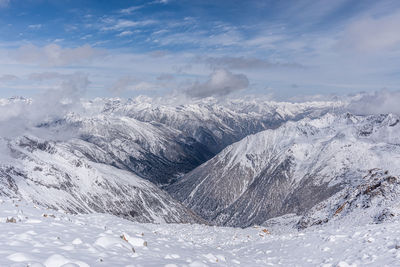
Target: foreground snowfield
(40, 237)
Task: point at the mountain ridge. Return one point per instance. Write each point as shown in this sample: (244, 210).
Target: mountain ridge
(289, 169)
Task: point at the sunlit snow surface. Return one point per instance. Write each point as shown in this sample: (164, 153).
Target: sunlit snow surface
(47, 238)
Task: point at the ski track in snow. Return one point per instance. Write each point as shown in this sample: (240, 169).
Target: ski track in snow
(49, 238)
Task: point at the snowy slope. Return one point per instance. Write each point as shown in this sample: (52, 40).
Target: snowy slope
(58, 176)
(40, 238)
(290, 169)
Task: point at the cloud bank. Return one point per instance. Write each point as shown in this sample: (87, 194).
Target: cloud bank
(372, 34)
(22, 116)
(379, 102)
(220, 83)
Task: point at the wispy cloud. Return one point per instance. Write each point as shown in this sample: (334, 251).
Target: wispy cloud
(131, 9)
(372, 34)
(247, 63)
(201, 39)
(119, 24)
(35, 26)
(55, 55)
(160, 2)
(125, 33)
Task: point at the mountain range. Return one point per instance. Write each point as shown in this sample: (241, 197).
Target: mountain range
(231, 163)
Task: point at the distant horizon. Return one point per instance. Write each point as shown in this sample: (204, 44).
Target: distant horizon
(283, 50)
(228, 98)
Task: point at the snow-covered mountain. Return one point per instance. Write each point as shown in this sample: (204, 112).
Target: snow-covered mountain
(290, 169)
(213, 123)
(58, 175)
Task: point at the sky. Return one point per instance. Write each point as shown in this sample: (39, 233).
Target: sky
(283, 50)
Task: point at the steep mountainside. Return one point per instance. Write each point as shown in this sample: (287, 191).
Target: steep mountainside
(149, 150)
(374, 199)
(289, 169)
(59, 176)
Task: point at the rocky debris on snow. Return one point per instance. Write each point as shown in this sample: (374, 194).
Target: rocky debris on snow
(374, 199)
(11, 220)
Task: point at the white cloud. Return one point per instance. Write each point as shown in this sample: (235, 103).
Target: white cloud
(220, 83)
(372, 34)
(54, 55)
(125, 33)
(201, 38)
(311, 11)
(265, 41)
(123, 24)
(131, 9)
(379, 102)
(35, 26)
(19, 117)
(160, 2)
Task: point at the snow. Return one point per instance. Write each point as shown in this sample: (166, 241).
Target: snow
(105, 240)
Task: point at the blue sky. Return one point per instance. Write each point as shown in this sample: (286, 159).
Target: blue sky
(279, 49)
